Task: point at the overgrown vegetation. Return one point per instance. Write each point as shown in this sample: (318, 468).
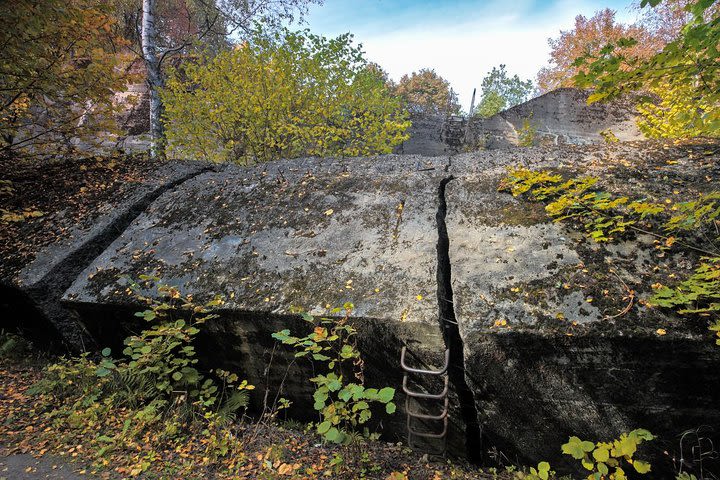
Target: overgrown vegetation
(607, 459)
(281, 95)
(685, 74)
(61, 63)
(152, 412)
(605, 217)
(341, 398)
(153, 391)
(527, 133)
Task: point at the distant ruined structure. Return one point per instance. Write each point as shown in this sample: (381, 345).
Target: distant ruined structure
(556, 118)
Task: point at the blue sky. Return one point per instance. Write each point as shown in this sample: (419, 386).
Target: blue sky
(461, 39)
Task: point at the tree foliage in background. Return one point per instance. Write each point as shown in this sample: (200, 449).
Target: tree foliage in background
(589, 37)
(282, 95)
(160, 30)
(500, 91)
(59, 71)
(685, 74)
(427, 92)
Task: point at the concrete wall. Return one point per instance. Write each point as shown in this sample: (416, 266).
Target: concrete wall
(562, 117)
(559, 117)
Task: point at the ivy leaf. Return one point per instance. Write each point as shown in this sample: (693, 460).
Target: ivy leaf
(601, 454)
(386, 394)
(641, 467)
(577, 448)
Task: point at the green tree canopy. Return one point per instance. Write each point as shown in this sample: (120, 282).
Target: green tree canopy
(282, 95)
(500, 91)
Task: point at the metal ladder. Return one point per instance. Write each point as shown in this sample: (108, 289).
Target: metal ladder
(442, 396)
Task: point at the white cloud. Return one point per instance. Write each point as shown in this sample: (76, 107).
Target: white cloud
(464, 52)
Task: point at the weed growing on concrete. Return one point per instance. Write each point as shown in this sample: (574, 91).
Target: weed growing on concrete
(527, 133)
(605, 216)
(340, 395)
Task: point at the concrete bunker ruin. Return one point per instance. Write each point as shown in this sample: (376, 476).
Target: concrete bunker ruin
(433, 257)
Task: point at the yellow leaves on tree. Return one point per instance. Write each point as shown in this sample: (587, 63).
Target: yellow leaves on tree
(281, 95)
(681, 111)
(59, 59)
(684, 72)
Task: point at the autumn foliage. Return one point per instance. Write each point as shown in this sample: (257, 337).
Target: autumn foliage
(60, 69)
(427, 92)
(281, 95)
(588, 37)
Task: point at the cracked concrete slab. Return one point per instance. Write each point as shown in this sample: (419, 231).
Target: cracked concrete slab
(40, 285)
(310, 233)
(548, 351)
(302, 234)
(539, 309)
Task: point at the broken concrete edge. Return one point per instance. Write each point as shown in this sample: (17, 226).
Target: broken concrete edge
(470, 435)
(44, 282)
(80, 239)
(664, 384)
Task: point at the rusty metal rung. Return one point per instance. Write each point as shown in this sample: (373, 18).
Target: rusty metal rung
(432, 396)
(428, 434)
(442, 416)
(424, 416)
(421, 371)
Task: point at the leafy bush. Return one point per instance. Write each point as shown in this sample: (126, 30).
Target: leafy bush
(606, 459)
(281, 95)
(157, 378)
(343, 405)
(542, 472)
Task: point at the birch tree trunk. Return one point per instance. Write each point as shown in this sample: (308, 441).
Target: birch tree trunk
(154, 76)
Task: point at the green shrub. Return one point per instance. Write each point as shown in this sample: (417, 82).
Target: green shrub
(343, 404)
(606, 459)
(156, 377)
(282, 95)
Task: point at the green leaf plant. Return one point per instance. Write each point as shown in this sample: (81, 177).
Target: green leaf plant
(341, 398)
(610, 460)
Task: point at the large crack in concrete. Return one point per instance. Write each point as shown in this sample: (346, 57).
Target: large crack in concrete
(451, 332)
(63, 328)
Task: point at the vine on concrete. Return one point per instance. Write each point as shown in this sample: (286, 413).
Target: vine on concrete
(605, 217)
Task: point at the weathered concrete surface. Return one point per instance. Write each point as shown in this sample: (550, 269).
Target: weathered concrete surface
(549, 350)
(432, 136)
(36, 291)
(547, 346)
(307, 233)
(318, 233)
(561, 117)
